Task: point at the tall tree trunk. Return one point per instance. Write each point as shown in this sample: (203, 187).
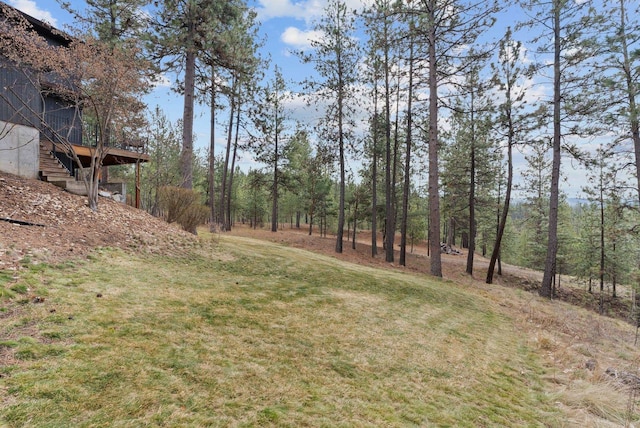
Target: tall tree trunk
(434, 196)
(274, 192)
(374, 200)
(341, 95)
(340, 233)
(233, 166)
(602, 228)
(632, 91)
(495, 255)
(394, 171)
(186, 155)
(407, 162)
(355, 224)
(614, 276)
(472, 192)
(450, 231)
(225, 169)
(552, 243)
(472, 212)
(389, 214)
(374, 178)
(212, 159)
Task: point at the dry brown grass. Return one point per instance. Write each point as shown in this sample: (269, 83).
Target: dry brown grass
(247, 333)
(568, 338)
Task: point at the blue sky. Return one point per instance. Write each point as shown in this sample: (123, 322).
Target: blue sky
(286, 25)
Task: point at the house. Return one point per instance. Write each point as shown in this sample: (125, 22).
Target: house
(34, 116)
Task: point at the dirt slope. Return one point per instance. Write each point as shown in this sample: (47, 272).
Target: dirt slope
(64, 227)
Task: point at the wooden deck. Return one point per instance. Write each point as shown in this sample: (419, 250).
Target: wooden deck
(114, 155)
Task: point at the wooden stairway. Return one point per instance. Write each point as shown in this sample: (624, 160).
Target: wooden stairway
(50, 167)
(52, 171)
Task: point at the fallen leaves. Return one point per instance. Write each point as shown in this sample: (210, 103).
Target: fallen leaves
(70, 229)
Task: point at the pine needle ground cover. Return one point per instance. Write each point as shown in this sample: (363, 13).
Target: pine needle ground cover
(251, 333)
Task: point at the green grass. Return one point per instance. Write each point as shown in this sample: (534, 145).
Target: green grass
(257, 334)
(6, 287)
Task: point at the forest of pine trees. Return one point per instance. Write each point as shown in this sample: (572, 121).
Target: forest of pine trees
(439, 124)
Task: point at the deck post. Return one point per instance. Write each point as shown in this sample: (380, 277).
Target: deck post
(138, 183)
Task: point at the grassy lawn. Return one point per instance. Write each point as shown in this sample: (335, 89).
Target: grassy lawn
(257, 334)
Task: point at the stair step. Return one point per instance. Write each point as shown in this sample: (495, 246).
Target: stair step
(51, 165)
(51, 169)
(56, 168)
(71, 186)
(55, 177)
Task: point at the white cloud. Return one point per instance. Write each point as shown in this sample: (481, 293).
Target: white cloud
(299, 39)
(162, 81)
(30, 8)
(306, 10)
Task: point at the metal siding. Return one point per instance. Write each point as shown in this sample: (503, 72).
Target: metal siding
(63, 121)
(20, 100)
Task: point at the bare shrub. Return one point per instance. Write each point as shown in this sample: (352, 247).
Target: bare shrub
(182, 206)
(193, 216)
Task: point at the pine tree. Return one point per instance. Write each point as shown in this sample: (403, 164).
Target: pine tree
(621, 72)
(536, 188)
(240, 65)
(509, 73)
(111, 20)
(445, 27)
(406, 188)
(335, 58)
(270, 141)
(380, 21)
(164, 153)
(565, 38)
(186, 30)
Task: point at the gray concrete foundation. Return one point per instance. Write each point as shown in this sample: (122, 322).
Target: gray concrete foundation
(19, 150)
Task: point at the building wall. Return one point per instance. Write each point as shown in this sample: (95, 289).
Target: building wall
(20, 99)
(19, 150)
(61, 120)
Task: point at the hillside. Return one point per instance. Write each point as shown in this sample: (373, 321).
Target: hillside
(265, 335)
(64, 227)
(453, 267)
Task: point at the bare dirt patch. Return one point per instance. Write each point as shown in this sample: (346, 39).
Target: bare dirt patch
(63, 227)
